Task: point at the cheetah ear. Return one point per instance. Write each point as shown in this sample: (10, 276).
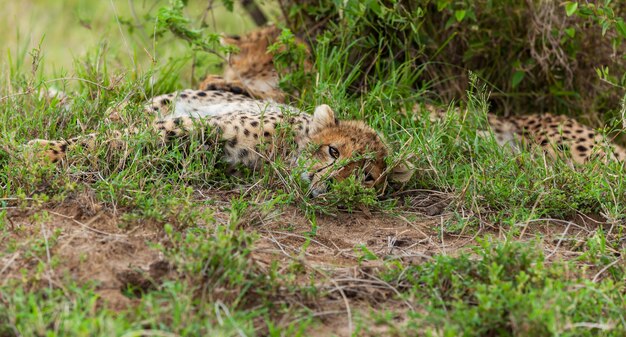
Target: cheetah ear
(324, 117)
(229, 40)
(402, 172)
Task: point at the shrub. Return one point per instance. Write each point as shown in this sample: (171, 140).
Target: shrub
(538, 56)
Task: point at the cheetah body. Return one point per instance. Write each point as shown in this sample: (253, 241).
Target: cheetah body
(556, 135)
(252, 65)
(243, 123)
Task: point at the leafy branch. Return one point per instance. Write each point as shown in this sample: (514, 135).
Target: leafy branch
(172, 19)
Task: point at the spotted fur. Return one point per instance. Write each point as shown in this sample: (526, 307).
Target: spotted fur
(557, 135)
(252, 66)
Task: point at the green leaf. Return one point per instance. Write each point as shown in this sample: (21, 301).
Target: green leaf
(621, 27)
(450, 22)
(229, 4)
(367, 254)
(570, 8)
(571, 32)
(605, 27)
(375, 7)
(442, 4)
(599, 72)
(517, 77)
(459, 15)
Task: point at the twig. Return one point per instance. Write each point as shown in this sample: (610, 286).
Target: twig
(595, 278)
(255, 12)
(6, 266)
(85, 226)
(45, 239)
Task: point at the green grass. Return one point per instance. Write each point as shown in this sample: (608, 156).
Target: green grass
(508, 289)
(212, 226)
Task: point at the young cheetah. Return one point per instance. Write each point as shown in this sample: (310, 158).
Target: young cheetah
(335, 149)
(252, 65)
(556, 135)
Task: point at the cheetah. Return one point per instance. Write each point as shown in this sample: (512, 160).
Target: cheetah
(252, 66)
(556, 135)
(329, 148)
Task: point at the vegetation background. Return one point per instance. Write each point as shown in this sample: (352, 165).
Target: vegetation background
(148, 241)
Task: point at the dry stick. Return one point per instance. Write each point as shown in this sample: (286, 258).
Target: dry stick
(8, 264)
(558, 244)
(149, 333)
(285, 13)
(85, 226)
(45, 238)
(394, 289)
(427, 237)
(255, 12)
(595, 278)
(340, 289)
(125, 41)
(77, 79)
(281, 247)
(346, 302)
(219, 305)
(298, 236)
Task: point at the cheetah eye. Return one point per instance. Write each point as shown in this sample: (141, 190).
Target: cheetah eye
(369, 178)
(333, 152)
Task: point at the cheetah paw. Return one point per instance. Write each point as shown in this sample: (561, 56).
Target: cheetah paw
(52, 150)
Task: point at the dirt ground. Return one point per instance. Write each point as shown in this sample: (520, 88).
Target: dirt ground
(94, 245)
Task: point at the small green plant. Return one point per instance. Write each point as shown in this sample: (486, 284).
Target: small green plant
(292, 60)
(509, 289)
(350, 194)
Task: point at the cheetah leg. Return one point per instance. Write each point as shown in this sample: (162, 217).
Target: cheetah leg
(214, 82)
(56, 150)
(168, 129)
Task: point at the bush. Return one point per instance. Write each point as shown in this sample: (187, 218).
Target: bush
(538, 56)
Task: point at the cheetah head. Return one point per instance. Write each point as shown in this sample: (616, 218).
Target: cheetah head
(340, 149)
(253, 64)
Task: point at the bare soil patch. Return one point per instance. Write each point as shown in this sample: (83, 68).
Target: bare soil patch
(90, 244)
(90, 248)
